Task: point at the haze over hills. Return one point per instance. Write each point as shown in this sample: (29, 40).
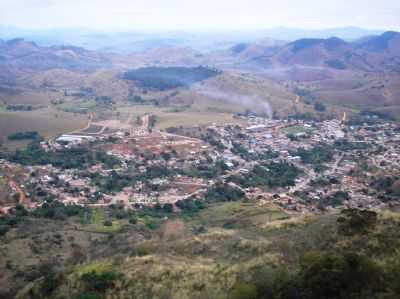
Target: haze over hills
(374, 53)
(137, 41)
(186, 149)
(315, 60)
(367, 53)
(18, 56)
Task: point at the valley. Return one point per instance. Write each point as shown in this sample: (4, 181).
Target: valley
(259, 169)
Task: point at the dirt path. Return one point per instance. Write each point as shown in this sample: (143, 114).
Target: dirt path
(145, 122)
(22, 198)
(171, 229)
(387, 94)
(89, 123)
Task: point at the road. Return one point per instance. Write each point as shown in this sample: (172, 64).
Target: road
(311, 175)
(146, 122)
(336, 164)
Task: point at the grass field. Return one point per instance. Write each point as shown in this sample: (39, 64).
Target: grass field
(30, 97)
(96, 223)
(296, 130)
(48, 122)
(77, 106)
(221, 213)
(98, 266)
(167, 118)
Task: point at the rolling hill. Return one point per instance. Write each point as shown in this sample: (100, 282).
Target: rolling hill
(373, 54)
(370, 66)
(19, 56)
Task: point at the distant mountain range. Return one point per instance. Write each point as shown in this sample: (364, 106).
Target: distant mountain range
(133, 41)
(378, 53)
(346, 33)
(18, 56)
(373, 53)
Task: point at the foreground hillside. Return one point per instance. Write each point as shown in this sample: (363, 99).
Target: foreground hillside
(224, 250)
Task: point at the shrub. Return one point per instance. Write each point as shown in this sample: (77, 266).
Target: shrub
(224, 192)
(353, 221)
(133, 220)
(335, 276)
(99, 281)
(244, 291)
(4, 229)
(88, 296)
(108, 223)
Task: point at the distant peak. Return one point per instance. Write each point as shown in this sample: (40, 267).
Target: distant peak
(15, 41)
(238, 48)
(334, 42)
(330, 43)
(19, 41)
(390, 34)
(380, 42)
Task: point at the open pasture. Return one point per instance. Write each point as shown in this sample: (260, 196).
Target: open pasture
(48, 122)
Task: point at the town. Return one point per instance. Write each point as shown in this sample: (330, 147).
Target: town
(301, 165)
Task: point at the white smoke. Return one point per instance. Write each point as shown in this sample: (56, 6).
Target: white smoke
(253, 103)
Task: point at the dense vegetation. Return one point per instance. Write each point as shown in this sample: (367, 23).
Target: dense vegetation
(316, 156)
(224, 252)
(224, 192)
(270, 175)
(163, 78)
(387, 187)
(207, 170)
(24, 135)
(21, 107)
(78, 158)
(51, 210)
(345, 145)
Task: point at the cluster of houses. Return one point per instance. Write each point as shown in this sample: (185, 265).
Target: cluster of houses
(146, 154)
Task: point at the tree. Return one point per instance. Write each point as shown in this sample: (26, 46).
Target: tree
(328, 276)
(168, 208)
(99, 281)
(353, 221)
(133, 220)
(319, 107)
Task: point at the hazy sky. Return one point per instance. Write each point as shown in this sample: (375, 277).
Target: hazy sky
(199, 14)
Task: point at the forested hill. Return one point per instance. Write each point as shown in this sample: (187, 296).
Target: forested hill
(163, 78)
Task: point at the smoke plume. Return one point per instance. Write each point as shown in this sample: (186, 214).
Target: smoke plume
(253, 103)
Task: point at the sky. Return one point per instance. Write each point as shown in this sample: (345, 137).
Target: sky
(111, 15)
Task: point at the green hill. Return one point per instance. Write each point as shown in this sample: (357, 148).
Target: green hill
(224, 250)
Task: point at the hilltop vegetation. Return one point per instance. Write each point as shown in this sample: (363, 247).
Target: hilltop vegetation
(163, 78)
